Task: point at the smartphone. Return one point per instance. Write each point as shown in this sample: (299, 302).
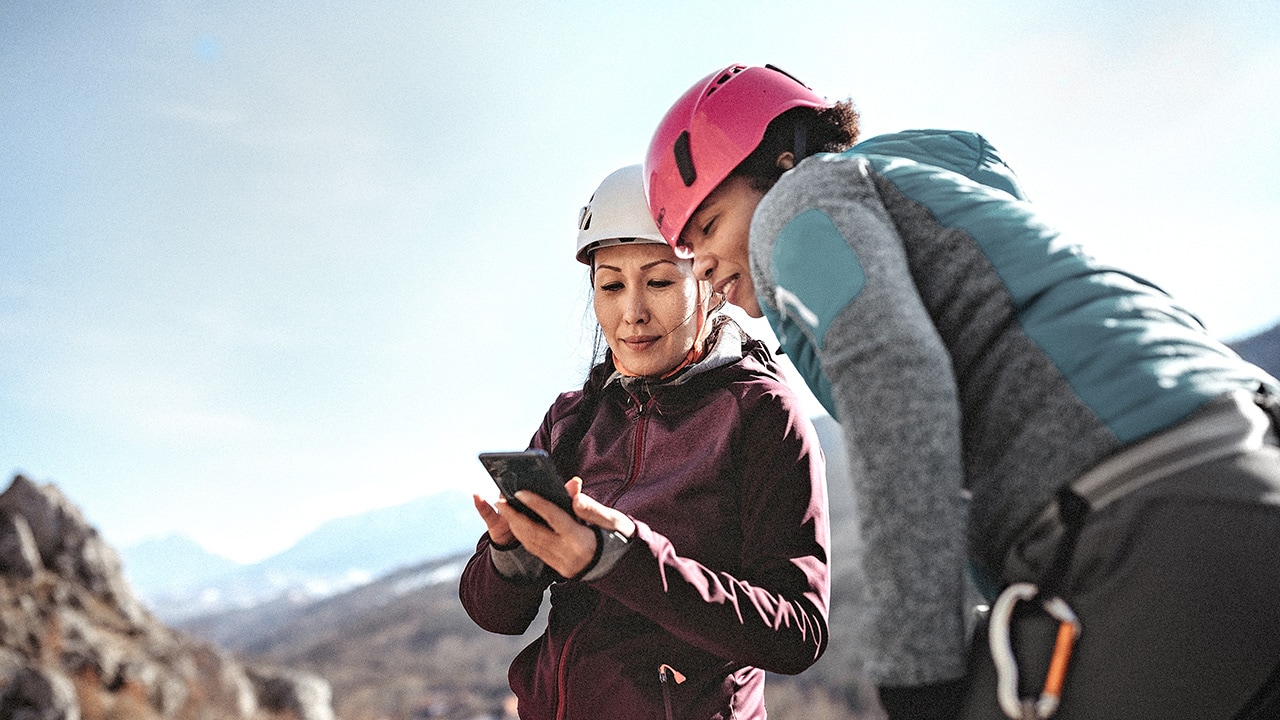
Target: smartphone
(530, 470)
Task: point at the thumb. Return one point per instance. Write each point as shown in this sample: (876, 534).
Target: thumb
(591, 511)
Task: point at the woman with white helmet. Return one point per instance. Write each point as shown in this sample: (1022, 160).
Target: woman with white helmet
(692, 568)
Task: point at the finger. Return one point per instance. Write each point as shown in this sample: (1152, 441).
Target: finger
(484, 508)
(597, 513)
(499, 530)
(567, 545)
(548, 510)
(527, 531)
(574, 486)
(586, 508)
(487, 513)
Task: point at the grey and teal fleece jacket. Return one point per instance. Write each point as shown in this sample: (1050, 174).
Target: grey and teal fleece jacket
(976, 359)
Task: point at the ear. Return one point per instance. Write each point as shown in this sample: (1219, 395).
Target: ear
(787, 160)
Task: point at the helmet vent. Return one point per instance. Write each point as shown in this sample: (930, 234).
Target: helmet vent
(775, 68)
(584, 216)
(725, 77)
(684, 159)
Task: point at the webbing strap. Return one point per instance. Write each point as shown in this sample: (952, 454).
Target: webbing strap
(1072, 510)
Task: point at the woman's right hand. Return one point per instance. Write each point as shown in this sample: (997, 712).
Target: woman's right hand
(499, 529)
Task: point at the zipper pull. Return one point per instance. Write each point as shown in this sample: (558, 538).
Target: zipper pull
(666, 674)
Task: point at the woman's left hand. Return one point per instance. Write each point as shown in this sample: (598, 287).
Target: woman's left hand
(564, 544)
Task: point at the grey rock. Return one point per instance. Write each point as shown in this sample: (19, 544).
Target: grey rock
(69, 545)
(307, 696)
(67, 611)
(19, 556)
(39, 694)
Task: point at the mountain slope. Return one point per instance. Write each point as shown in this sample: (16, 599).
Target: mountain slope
(173, 561)
(75, 642)
(1261, 349)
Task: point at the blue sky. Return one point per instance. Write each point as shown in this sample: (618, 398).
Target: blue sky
(265, 264)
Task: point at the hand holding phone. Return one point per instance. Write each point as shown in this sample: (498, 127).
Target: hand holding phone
(530, 470)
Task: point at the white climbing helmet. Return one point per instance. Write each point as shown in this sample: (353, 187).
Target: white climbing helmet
(617, 213)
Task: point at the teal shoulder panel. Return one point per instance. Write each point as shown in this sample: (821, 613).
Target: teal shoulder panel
(816, 275)
(815, 271)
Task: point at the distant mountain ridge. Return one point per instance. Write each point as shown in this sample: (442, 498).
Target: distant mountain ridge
(178, 580)
(1261, 349)
(170, 562)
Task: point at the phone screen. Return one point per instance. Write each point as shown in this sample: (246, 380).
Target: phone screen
(527, 470)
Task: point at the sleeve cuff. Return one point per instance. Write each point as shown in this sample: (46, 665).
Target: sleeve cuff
(612, 545)
(513, 562)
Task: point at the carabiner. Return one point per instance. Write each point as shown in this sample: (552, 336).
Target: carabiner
(1069, 629)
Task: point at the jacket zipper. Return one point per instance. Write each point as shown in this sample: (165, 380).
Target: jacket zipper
(642, 421)
(562, 679)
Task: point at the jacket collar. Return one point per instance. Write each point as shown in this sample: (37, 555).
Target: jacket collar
(725, 342)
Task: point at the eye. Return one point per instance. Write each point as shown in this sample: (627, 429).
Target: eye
(611, 287)
(706, 228)
(661, 283)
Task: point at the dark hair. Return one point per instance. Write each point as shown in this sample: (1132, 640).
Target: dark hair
(803, 131)
(564, 452)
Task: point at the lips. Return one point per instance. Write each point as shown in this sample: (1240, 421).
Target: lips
(641, 342)
(725, 287)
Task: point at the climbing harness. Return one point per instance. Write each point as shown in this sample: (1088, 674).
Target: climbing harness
(1019, 708)
(1227, 426)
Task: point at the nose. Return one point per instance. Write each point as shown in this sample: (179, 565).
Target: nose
(703, 266)
(635, 311)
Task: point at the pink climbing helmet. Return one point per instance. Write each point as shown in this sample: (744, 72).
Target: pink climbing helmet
(712, 128)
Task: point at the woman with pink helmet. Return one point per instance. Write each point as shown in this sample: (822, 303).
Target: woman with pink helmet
(1019, 417)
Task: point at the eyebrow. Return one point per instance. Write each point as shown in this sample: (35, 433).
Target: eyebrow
(646, 266)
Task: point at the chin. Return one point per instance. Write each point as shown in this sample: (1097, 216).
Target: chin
(751, 307)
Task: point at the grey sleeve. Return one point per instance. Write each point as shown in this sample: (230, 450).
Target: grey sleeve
(516, 563)
(614, 545)
(832, 275)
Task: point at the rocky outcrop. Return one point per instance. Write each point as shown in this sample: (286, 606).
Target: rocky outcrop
(303, 695)
(76, 644)
(40, 695)
(66, 544)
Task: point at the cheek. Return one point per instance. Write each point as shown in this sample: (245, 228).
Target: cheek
(604, 310)
(731, 244)
(680, 307)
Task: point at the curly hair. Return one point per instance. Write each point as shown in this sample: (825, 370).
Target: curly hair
(803, 131)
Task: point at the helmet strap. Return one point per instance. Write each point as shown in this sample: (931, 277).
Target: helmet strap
(801, 141)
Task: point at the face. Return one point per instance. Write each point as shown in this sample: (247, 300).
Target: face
(646, 300)
(717, 234)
